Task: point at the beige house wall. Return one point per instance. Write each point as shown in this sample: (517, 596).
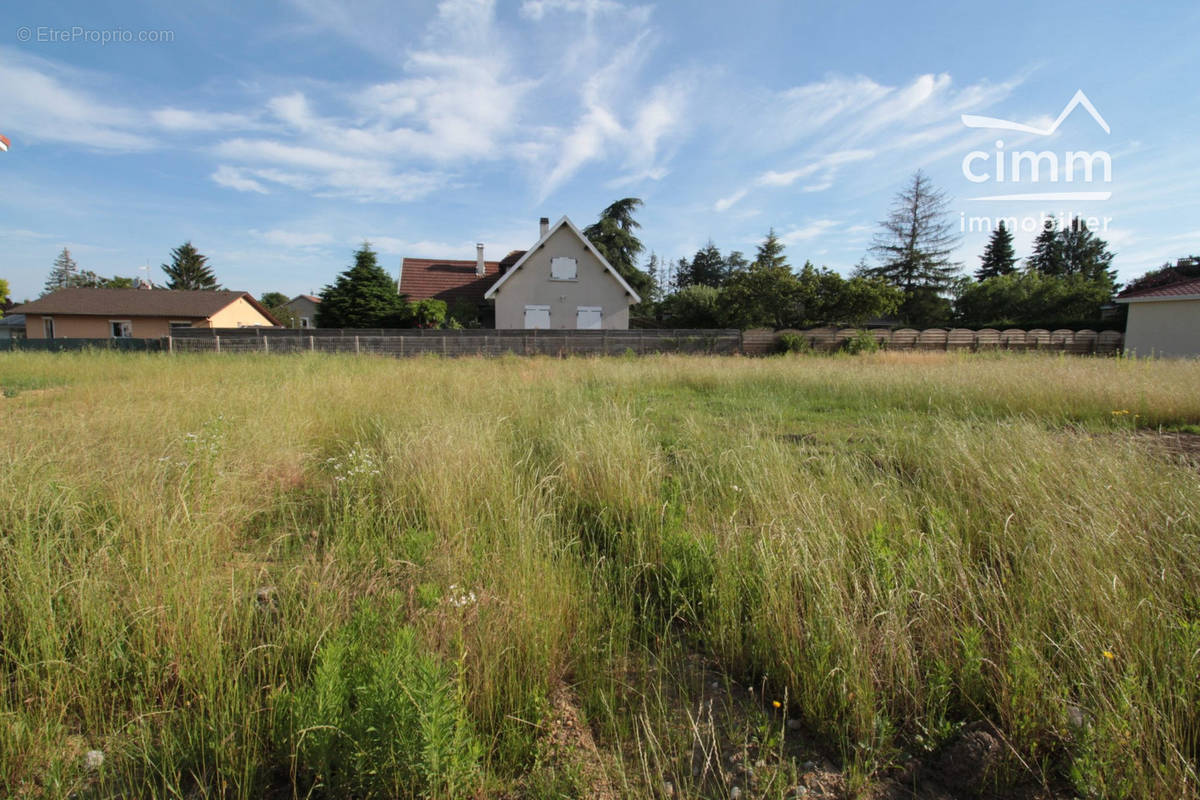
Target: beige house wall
(68, 326)
(238, 314)
(1164, 328)
(532, 285)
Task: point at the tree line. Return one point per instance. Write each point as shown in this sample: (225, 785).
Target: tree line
(912, 280)
(187, 269)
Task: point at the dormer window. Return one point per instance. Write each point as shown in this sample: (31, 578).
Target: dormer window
(563, 268)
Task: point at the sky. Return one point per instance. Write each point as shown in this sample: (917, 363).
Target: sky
(278, 136)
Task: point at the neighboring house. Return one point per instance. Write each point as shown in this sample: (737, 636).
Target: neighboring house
(454, 282)
(1164, 321)
(138, 313)
(12, 326)
(562, 282)
(304, 306)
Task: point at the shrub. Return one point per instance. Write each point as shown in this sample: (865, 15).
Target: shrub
(862, 342)
(791, 342)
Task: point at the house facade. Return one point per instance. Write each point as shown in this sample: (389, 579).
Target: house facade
(562, 283)
(304, 306)
(138, 313)
(1164, 321)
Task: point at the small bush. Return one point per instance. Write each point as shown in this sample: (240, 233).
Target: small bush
(794, 343)
(862, 342)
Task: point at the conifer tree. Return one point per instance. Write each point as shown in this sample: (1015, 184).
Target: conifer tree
(364, 296)
(770, 252)
(913, 249)
(64, 274)
(998, 257)
(189, 270)
(1047, 255)
(916, 241)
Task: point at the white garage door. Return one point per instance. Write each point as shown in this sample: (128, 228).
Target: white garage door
(537, 317)
(589, 318)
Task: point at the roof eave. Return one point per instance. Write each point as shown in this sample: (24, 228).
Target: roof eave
(1158, 298)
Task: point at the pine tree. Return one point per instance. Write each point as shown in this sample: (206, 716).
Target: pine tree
(1047, 257)
(735, 262)
(614, 236)
(189, 270)
(770, 252)
(364, 296)
(1086, 254)
(64, 275)
(707, 268)
(913, 251)
(998, 257)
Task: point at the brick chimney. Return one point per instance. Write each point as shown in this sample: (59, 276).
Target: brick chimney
(480, 266)
(543, 227)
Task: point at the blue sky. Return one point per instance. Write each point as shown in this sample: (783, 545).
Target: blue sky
(277, 138)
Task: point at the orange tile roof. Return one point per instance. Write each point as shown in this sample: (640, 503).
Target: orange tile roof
(440, 279)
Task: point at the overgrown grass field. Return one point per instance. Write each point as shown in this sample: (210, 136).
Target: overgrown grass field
(316, 576)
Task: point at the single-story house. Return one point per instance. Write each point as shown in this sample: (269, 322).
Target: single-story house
(1165, 320)
(138, 313)
(563, 283)
(12, 326)
(304, 306)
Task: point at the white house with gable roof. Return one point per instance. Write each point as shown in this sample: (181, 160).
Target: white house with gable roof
(562, 283)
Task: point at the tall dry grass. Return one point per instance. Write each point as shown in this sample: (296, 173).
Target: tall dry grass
(322, 576)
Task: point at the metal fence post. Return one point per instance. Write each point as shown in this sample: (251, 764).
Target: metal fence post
(311, 344)
(218, 338)
(266, 340)
(356, 350)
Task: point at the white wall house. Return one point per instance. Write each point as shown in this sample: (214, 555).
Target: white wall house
(562, 283)
(1164, 321)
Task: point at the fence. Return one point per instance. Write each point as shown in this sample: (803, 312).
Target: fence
(59, 345)
(408, 342)
(1084, 342)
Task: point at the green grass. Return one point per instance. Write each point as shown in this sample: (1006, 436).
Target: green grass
(321, 576)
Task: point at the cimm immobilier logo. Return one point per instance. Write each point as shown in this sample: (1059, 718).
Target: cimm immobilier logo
(1040, 175)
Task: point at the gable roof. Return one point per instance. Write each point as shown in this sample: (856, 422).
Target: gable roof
(312, 298)
(1182, 290)
(440, 279)
(139, 303)
(537, 245)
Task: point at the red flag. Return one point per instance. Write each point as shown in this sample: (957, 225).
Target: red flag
(4, 143)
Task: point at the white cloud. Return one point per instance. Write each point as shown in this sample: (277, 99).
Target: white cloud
(234, 178)
(842, 120)
(826, 167)
(180, 119)
(294, 239)
(810, 231)
(39, 104)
